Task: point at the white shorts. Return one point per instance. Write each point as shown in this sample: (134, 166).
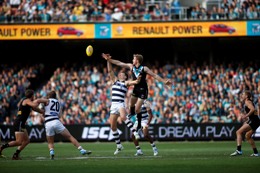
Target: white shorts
(144, 123)
(114, 109)
(54, 127)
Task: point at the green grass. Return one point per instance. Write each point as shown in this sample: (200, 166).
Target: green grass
(208, 157)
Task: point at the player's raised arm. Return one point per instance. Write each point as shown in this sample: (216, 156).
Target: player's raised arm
(30, 103)
(111, 72)
(157, 77)
(116, 62)
(41, 100)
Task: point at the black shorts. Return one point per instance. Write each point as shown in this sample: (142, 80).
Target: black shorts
(19, 126)
(141, 93)
(254, 123)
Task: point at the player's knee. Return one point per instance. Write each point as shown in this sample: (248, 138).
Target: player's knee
(23, 142)
(18, 143)
(238, 132)
(248, 136)
(146, 136)
(123, 118)
(137, 111)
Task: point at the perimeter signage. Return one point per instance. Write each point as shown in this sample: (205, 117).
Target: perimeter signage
(175, 132)
(129, 30)
(44, 31)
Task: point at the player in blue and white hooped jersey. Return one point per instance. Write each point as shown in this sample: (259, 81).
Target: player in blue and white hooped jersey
(118, 108)
(54, 126)
(147, 117)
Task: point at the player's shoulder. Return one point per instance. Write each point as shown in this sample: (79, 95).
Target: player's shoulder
(146, 68)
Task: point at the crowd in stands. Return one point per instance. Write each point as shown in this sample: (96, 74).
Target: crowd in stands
(205, 93)
(42, 11)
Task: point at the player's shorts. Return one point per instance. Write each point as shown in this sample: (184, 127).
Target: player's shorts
(254, 123)
(19, 126)
(144, 123)
(54, 127)
(141, 93)
(114, 109)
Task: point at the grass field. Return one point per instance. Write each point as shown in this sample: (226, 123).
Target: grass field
(178, 157)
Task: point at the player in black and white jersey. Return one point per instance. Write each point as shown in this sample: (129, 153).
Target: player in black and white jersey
(249, 127)
(140, 91)
(147, 117)
(54, 126)
(119, 90)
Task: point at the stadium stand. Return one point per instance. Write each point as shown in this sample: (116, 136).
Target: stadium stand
(200, 94)
(42, 11)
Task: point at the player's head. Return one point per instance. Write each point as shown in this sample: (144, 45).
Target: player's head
(122, 76)
(137, 59)
(51, 94)
(29, 94)
(246, 95)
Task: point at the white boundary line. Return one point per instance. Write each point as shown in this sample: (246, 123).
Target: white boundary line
(100, 157)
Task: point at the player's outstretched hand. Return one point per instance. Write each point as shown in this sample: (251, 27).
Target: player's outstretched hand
(168, 82)
(106, 56)
(243, 117)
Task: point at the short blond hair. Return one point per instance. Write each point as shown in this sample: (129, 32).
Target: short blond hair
(139, 57)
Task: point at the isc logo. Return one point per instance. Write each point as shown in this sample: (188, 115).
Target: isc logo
(98, 133)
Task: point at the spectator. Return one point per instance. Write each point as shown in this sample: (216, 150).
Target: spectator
(117, 15)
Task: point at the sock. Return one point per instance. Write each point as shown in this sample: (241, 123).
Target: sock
(153, 145)
(17, 151)
(132, 110)
(119, 145)
(255, 151)
(239, 147)
(139, 118)
(5, 146)
(116, 138)
(138, 148)
(130, 125)
(80, 148)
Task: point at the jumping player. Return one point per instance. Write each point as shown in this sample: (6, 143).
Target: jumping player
(140, 91)
(119, 90)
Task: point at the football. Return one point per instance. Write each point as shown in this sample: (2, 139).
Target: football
(89, 50)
